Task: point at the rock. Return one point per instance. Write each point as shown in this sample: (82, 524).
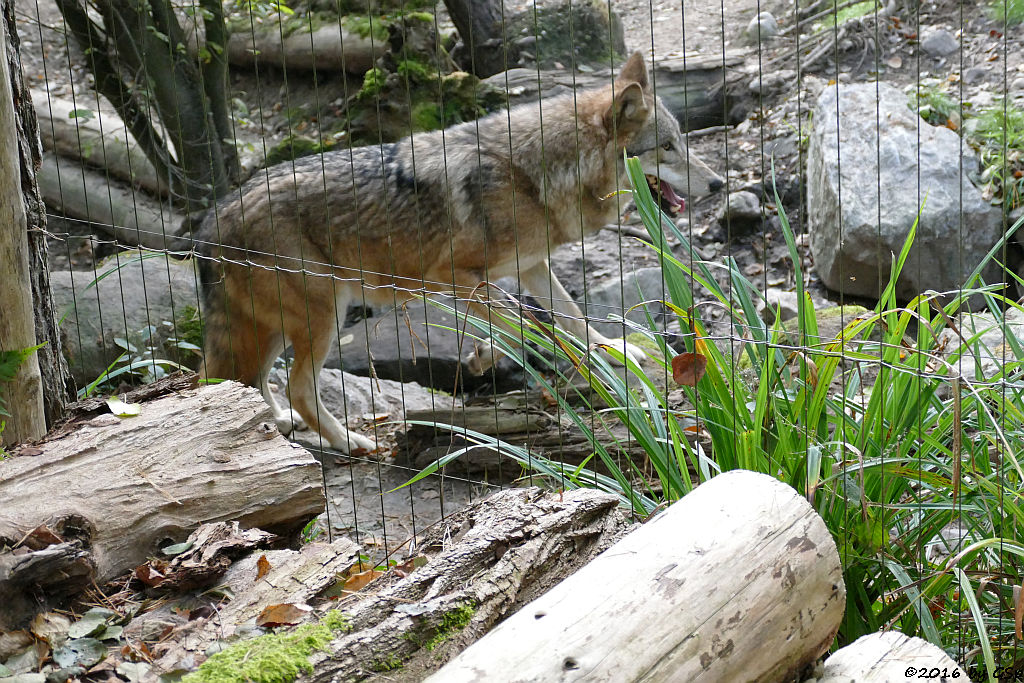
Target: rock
(1017, 86)
(132, 296)
(987, 354)
(609, 300)
(761, 28)
(786, 302)
(945, 251)
(773, 81)
(416, 345)
(975, 75)
(938, 42)
(741, 211)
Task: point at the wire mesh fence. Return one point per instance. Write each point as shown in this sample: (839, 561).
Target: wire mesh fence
(622, 245)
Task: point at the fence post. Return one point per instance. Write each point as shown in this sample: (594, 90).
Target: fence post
(23, 396)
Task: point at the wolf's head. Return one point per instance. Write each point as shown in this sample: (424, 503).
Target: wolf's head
(650, 131)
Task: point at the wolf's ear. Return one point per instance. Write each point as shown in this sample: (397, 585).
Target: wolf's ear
(634, 71)
(628, 111)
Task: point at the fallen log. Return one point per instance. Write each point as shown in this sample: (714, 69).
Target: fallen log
(890, 656)
(125, 487)
(740, 580)
(486, 560)
(129, 216)
(98, 139)
(700, 91)
(328, 48)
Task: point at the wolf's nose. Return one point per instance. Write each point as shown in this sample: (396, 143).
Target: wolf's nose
(716, 184)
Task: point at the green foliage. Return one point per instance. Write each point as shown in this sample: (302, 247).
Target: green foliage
(888, 463)
(296, 146)
(272, 658)
(936, 107)
(1008, 12)
(364, 26)
(10, 362)
(373, 84)
(999, 136)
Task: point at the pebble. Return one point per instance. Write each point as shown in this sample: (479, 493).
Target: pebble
(938, 42)
(761, 28)
(975, 75)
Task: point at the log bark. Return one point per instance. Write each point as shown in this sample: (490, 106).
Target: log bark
(126, 486)
(129, 217)
(485, 561)
(738, 581)
(23, 394)
(54, 573)
(700, 91)
(57, 387)
(328, 48)
(296, 577)
(100, 140)
(890, 656)
(479, 23)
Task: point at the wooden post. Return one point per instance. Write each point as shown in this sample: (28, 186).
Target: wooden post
(23, 396)
(740, 580)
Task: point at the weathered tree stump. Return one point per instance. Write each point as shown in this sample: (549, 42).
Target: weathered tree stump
(126, 486)
(740, 580)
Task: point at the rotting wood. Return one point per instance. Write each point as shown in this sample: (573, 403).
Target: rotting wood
(890, 656)
(295, 576)
(51, 574)
(129, 485)
(486, 560)
(740, 580)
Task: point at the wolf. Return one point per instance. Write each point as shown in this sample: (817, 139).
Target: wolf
(445, 211)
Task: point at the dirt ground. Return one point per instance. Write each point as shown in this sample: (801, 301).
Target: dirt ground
(783, 75)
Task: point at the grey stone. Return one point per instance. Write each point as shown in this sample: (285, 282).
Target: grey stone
(786, 302)
(1017, 85)
(938, 42)
(608, 301)
(988, 349)
(762, 27)
(975, 75)
(131, 296)
(852, 241)
(742, 210)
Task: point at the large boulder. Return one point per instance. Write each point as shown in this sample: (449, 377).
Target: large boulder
(886, 161)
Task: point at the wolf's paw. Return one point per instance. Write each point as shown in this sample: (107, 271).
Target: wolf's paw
(633, 352)
(289, 421)
(482, 358)
(351, 442)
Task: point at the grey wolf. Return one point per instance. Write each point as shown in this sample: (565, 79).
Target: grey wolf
(442, 211)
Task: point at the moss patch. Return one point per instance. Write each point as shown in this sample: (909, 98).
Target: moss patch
(451, 623)
(271, 658)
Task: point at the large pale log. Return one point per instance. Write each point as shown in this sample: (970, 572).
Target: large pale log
(700, 91)
(130, 217)
(890, 656)
(100, 139)
(485, 561)
(22, 397)
(126, 486)
(738, 581)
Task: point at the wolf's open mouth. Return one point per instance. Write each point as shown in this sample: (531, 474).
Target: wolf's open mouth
(670, 201)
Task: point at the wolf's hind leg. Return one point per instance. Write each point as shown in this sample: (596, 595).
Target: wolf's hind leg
(287, 420)
(311, 344)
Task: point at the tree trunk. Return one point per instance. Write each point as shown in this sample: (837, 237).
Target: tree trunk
(480, 24)
(740, 580)
(110, 483)
(23, 395)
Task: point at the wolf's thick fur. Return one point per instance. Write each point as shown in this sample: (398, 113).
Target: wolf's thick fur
(442, 211)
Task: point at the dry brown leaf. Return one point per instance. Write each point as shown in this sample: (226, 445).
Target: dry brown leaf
(359, 581)
(149, 575)
(262, 567)
(283, 614)
(688, 368)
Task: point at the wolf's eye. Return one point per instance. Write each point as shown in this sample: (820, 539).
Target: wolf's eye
(667, 147)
